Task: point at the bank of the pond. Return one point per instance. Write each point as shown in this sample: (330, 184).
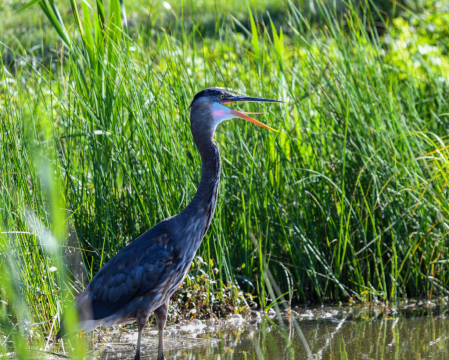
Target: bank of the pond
(414, 329)
(348, 202)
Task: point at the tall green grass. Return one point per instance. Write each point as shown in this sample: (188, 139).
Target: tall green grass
(347, 202)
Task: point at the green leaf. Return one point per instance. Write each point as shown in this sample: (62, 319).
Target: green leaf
(55, 21)
(125, 19)
(100, 10)
(281, 43)
(24, 7)
(85, 3)
(76, 16)
(275, 38)
(255, 35)
(90, 43)
(114, 31)
(278, 42)
(115, 16)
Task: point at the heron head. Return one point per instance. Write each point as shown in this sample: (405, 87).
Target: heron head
(209, 105)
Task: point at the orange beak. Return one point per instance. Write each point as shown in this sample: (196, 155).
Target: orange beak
(243, 115)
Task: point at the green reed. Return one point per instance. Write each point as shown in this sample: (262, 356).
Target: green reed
(347, 202)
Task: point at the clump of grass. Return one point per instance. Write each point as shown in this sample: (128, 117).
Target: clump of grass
(200, 296)
(347, 202)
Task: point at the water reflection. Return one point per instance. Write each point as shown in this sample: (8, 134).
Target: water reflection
(418, 332)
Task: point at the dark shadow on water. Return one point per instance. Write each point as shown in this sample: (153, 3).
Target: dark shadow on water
(415, 332)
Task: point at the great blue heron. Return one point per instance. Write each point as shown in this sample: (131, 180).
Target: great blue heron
(141, 278)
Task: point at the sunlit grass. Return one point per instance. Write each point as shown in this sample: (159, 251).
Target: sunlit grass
(347, 202)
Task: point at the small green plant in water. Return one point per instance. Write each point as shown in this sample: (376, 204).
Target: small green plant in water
(203, 295)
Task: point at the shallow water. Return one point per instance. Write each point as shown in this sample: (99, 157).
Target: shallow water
(414, 332)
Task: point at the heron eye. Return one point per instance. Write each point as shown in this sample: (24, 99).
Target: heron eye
(222, 96)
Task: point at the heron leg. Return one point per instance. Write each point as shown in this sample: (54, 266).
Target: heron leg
(139, 339)
(161, 318)
(141, 321)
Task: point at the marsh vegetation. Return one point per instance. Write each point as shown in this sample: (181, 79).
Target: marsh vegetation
(347, 203)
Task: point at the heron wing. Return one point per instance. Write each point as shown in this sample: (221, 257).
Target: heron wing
(138, 267)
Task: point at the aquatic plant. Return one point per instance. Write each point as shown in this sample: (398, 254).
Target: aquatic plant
(349, 203)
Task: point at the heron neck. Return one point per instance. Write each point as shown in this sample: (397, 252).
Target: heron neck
(210, 168)
(207, 192)
(198, 214)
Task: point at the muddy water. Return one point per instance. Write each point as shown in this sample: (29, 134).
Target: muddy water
(414, 332)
